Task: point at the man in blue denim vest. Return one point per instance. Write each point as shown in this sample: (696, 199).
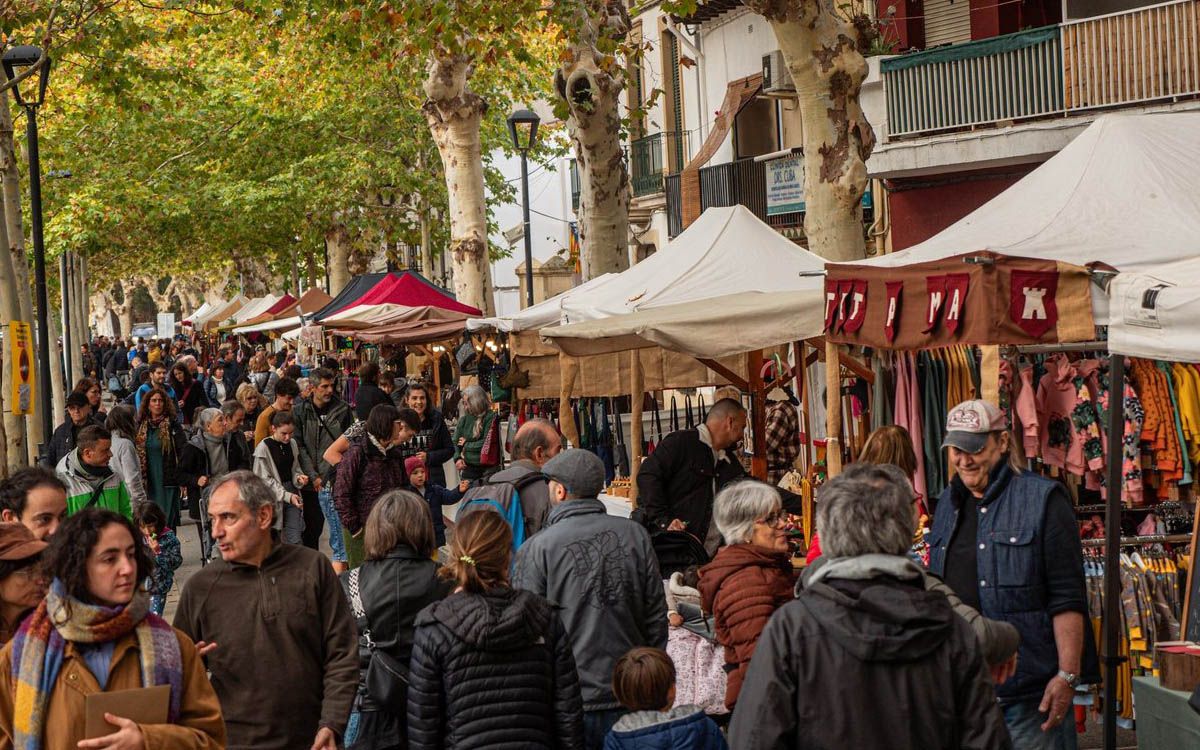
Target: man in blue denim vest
(1007, 542)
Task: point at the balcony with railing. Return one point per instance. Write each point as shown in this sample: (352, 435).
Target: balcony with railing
(1122, 59)
(739, 182)
(651, 159)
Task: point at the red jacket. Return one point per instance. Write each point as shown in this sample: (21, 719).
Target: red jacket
(742, 587)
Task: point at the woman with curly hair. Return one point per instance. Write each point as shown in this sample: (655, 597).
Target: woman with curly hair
(94, 633)
(160, 443)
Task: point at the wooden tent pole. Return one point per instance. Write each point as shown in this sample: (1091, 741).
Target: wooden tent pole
(568, 370)
(833, 408)
(801, 375)
(758, 414)
(636, 397)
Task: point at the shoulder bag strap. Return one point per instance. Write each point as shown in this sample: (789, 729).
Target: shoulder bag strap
(356, 605)
(96, 495)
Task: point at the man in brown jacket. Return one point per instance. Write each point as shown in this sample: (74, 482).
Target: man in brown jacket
(271, 618)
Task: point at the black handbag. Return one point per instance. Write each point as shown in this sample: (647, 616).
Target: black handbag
(386, 679)
(466, 357)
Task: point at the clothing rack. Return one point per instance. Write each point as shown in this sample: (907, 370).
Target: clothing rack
(1085, 346)
(1136, 541)
(1100, 508)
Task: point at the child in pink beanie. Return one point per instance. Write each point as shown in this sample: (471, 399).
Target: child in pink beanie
(434, 494)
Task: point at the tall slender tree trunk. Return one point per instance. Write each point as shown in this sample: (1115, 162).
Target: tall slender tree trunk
(125, 309)
(16, 452)
(58, 393)
(337, 242)
(822, 47)
(454, 113)
(587, 83)
(10, 175)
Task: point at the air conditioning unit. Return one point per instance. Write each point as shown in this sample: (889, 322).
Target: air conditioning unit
(776, 78)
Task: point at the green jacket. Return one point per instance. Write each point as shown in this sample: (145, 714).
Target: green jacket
(469, 451)
(81, 487)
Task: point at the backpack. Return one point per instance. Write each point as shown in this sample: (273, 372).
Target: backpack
(503, 498)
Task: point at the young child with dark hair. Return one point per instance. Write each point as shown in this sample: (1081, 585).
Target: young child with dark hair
(167, 554)
(644, 683)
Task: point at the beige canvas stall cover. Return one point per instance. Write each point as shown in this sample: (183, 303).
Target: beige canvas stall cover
(608, 374)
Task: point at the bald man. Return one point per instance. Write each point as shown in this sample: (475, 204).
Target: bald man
(535, 443)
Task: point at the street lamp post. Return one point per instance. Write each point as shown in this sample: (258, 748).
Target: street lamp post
(17, 61)
(523, 127)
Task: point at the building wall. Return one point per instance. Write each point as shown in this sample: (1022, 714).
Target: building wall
(550, 204)
(919, 209)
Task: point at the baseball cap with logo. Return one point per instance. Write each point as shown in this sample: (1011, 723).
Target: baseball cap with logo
(969, 424)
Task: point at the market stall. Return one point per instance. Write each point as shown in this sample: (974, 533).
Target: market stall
(1017, 289)
(287, 317)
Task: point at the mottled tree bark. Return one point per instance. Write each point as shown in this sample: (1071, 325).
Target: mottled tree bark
(15, 271)
(590, 82)
(454, 113)
(337, 241)
(822, 46)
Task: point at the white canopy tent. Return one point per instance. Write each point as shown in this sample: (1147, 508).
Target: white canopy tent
(728, 284)
(726, 251)
(217, 313)
(1156, 314)
(1126, 192)
(201, 312)
(545, 313)
(256, 307)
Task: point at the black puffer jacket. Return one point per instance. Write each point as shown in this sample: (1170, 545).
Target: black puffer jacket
(866, 657)
(493, 671)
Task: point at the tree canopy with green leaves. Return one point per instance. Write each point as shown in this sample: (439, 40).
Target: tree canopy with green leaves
(204, 138)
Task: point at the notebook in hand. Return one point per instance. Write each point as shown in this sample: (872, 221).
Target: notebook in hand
(142, 705)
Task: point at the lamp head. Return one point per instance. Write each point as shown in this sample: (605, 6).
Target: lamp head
(523, 127)
(31, 92)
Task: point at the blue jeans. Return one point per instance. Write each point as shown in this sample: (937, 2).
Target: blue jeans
(596, 725)
(1025, 727)
(325, 498)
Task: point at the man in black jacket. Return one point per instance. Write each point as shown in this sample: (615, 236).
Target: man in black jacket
(79, 415)
(677, 483)
(866, 656)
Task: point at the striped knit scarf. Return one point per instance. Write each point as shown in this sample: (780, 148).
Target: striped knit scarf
(37, 653)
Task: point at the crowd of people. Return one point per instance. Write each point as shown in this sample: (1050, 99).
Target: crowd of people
(544, 621)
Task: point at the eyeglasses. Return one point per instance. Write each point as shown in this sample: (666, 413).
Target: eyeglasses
(773, 519)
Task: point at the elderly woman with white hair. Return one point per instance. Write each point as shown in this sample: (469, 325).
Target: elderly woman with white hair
(475, 418)
(867, 655)
(206, 459)
(750, 577)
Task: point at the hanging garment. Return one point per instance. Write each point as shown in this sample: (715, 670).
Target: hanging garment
(1026, 412)
(907, 414)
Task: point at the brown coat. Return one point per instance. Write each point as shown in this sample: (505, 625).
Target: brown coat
(742, 587)
(200, 725)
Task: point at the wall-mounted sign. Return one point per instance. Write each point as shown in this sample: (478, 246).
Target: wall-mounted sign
(785, 185)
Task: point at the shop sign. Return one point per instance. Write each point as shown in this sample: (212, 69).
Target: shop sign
(845, 305)
(20, 357)
(785, 185)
